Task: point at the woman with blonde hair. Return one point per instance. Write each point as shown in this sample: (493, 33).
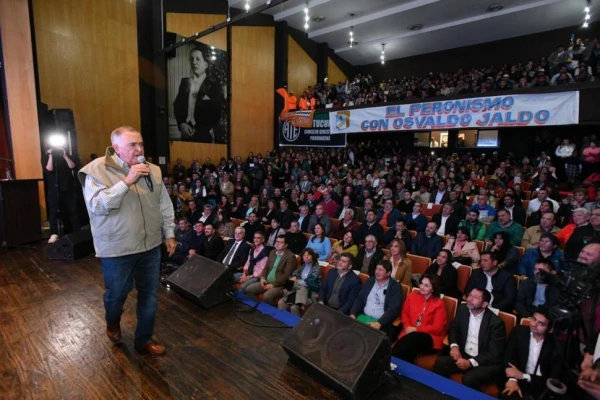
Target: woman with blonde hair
(401, 266)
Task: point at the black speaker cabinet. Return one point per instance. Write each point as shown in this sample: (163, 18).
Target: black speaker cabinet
(71, 247)
(344, 354)
(203, 281)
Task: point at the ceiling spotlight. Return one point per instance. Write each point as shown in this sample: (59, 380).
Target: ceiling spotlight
(306, 17)
(415, 27)
(587, 17)
(586, 10)
(318, 18)
(247, 6)
(382, 53)
(213, 57)
(585, 24)
(495, 8)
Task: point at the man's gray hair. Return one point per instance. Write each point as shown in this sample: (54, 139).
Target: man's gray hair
(116, 134)
(586, 213)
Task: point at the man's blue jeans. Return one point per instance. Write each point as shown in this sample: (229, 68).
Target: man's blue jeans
(119, 274)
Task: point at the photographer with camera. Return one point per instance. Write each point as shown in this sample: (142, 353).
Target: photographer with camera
(59, 170)
(537, 291)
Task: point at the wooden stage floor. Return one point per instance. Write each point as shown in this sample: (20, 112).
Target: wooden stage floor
(54, 346)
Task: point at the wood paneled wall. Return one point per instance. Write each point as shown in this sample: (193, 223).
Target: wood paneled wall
(252, 89)
(20, 88)
(334, 73)
(88, 62)
(187, 25)
(302, 70)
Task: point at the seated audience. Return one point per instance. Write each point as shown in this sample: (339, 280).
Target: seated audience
(532, 356)
(345, 206)
(224, 225)
(423, 321)
(487, 213)
(252, 226)
(275, 232)
(184, 240)
(388, 215)
(255, 263)
(212, 244)
(346, 224)
(532, 235)
(380, 299)
(546, 250)
(477, 229)
(303, 219)
(517, 212)
(464, 251)
(447, 222)
(505, 224)
(296, 239)
(442, 267)
(401, 266)
(428, 243)
(583, 234)
(537, 291)
(284, 215)
(193, 214)
(499, 282)
(306, 281)
(280, 265)
(416, 221)
(542, 195)
(370, 227)
(536, 217)
(581, 217)
(406, 205)
(319, 243)
(368, 256)
(341, 286)
(398, 232)
(346, 245)
(320, 218)
(476, 337)
(422, 195)
(506, 254)
(236, 251)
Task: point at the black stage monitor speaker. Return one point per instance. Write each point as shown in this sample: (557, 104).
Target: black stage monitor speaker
(203, 281)
(71, 247)
(350, 357)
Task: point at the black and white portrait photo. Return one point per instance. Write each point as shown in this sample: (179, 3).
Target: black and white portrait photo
(198, 94)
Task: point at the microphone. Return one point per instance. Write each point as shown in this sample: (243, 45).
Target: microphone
(142, 160)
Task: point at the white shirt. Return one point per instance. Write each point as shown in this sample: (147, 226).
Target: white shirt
(439, 196)
(489, 287)
(442, 230)
(376, 300)
(535, 348)
(472, 343)
(510, 210)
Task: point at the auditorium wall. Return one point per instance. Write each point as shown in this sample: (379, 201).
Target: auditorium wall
(19, 77)
(302, 69)
(334, 73)
(252, 89)
(187, 25)
(88, 62)
(513, 50)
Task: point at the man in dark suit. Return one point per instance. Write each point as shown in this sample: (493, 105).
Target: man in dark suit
(428, 243)
(193, 214)
(415, 220)
(202, 124)
(183, 239)
(284, 214)
(440, 195)
(399, 232)
(252, 226)
(303, 219)
(500, 281)
(368, 256)
(380, 300)
(236, 251)
(518, 213)
(537, 291)
(476, 337)
(526, 371)
(446, 221)
(346, 205)
(296, 239)
(212, 244)
(459, 207)
(370, 227)
(341, 285)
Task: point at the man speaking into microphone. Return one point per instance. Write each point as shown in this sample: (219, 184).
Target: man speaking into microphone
(123, 195)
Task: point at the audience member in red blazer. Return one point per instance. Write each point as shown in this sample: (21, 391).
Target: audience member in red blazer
(423, 321)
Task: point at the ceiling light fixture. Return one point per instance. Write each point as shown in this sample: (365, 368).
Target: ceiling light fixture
(586, 10)
(351, 36)
(495, 8)
(247, 6)
(382, 53)
(306, 17)
(415, 27)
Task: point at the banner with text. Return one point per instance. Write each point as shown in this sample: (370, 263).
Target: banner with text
(317, 135)
(481, 112)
